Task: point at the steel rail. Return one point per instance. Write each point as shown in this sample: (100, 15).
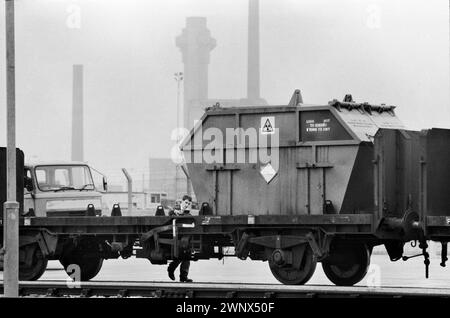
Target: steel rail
(216, 290)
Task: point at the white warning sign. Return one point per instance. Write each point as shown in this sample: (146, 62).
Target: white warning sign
(268, 172)
(267, 125)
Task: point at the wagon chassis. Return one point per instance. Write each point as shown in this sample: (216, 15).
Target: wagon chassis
(283, 240)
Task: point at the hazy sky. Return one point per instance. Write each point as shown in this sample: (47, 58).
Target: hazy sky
(389, 51)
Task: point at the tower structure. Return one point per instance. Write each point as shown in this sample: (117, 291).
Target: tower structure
(195, 44)
(253, 89)
(77, 114)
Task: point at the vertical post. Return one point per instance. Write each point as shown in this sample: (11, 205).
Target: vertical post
(149, 175)
(176, 182)
(11, 207)
(178, 78)
(130, 191)
(188, 186)
(188, 179)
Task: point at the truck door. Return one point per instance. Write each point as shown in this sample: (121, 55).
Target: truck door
(29, 199)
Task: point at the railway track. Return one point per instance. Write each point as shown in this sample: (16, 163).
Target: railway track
(215, 290)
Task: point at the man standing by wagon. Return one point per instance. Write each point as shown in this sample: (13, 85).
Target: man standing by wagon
(183, 209)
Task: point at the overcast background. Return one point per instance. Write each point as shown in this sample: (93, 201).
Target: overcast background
(389, 51)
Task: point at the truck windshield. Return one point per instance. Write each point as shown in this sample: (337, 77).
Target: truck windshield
(59, 178)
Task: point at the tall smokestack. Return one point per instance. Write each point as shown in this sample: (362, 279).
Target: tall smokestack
(195, 44)
(77, 113)
(253, 51)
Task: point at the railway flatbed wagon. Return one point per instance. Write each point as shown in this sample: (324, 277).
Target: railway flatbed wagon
(291, 185)
(343, 159)
(87, 241)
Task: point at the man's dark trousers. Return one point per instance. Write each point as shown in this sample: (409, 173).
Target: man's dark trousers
(184, 268)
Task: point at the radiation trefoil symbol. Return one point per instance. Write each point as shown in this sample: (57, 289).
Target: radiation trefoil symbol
(268, 125)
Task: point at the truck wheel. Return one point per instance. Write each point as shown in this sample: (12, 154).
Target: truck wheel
(289, 274)
(347, 264)
(89, 266)
(34, 265)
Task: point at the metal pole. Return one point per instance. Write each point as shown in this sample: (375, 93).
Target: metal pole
(178, 79)
(188, 180)
(130, 190)
(11, 206)
(188, 186)
(182, 116)
(149, 176)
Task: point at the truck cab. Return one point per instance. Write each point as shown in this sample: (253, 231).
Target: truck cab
(60, 189)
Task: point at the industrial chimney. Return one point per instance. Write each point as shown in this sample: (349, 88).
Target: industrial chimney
(253, 92)
(195, 44)
(77, 113)
(253, 77)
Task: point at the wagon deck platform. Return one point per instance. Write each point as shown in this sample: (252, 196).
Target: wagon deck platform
(359, 223)
(437, 226)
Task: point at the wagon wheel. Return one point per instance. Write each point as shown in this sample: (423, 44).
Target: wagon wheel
(89, 266)
(36, 263)
(295, 275)
(347, 264)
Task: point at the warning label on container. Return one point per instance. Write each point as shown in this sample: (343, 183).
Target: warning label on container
(267, 125)
(268, 172)
(321, 126)
(313, 126)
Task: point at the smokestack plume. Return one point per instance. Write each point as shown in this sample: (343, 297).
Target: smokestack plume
(253, 92)
(77, 114)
